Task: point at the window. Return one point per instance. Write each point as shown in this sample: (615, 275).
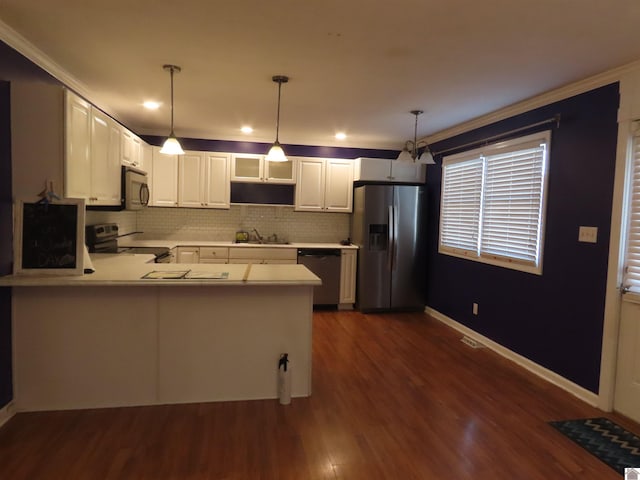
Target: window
(631, 278)
(492, 204)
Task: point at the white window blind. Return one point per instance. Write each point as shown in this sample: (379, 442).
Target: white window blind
(632, 260)
(492, 203)
(460, 205)
(512, 210)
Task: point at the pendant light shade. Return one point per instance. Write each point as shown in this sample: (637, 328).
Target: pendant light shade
(276, 153)
(409, 153)
(171, 145)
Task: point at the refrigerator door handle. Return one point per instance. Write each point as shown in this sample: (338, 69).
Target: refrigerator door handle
(391, 236)
(395, 237)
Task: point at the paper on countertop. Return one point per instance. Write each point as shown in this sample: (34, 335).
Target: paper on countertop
(167, 274)
(213, 275)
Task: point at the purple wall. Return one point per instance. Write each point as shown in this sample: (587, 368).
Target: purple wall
(555, 319)
(263, 148)
(6, 244)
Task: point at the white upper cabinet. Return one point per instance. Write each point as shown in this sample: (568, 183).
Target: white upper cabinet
(203, 180)
(164, 180)
(77, 168)
(257, 169)
(190, 166)
(324, 185)
(92, 155)
(217, 191)
(131, 149)
(247, 168)
(309, 194)
(105, 160)
(383, 170)
(280, 172)
(338, 192)
(146, 158)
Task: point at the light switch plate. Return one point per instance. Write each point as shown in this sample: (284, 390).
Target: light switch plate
(588, 234)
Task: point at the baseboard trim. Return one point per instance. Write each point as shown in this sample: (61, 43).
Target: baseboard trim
(542, 372)
(6, 413)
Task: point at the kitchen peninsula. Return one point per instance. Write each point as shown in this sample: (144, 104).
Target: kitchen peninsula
(113, 338)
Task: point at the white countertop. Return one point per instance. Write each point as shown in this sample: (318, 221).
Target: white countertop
(132, 242)
(128, 269)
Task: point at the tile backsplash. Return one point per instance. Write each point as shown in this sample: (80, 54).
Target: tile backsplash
(210, 224)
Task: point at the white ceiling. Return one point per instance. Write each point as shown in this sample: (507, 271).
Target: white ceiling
(359, 66)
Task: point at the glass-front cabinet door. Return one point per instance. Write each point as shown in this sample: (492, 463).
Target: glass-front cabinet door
(247, 168)
(256, 168)
(280, 172)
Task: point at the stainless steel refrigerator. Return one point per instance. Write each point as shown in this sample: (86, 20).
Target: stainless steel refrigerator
(388, 227)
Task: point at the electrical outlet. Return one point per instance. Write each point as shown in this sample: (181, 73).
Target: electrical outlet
(588, 234)
(475, 309)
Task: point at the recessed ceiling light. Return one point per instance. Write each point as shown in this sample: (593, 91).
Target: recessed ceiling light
(151, 105)
(341, 135)
(246, 129)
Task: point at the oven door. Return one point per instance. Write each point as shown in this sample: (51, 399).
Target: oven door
(136, 189)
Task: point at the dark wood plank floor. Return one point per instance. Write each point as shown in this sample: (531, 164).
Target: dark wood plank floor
(396, 396)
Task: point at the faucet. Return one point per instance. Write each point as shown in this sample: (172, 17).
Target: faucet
(260, 239)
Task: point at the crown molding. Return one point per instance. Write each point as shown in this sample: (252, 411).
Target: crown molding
(23, 46)
(562, 93)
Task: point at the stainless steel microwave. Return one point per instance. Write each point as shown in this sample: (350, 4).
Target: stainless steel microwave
(135, 189)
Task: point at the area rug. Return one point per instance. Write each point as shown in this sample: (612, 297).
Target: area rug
(615, 446)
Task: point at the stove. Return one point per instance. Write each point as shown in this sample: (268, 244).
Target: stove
(163, 254)
(103, 238)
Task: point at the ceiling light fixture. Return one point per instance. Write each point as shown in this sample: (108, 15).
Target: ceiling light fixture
(171, 145)
(246, 129)
(151, 105)
(276, 153)
(341, 136)
(410, 151)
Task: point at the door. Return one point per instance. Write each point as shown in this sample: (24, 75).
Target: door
(408, 268)
(371, 232)
(627, 393)
(627, 389)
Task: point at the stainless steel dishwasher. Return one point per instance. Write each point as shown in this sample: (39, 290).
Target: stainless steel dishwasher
(325, 263)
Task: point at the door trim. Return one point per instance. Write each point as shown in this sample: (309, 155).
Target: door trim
(613, 297)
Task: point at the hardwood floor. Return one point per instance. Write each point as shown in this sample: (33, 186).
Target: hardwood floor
(395, 396)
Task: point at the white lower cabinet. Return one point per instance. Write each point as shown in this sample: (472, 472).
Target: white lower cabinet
(203, 255)
(214, 255)
(188, 255)
(348, 267)
(263, 255)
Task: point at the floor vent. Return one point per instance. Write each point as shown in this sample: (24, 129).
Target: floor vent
(471, 342)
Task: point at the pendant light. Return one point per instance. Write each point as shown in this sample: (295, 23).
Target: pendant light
(171, 145)
(276, 153)
(409, 152)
